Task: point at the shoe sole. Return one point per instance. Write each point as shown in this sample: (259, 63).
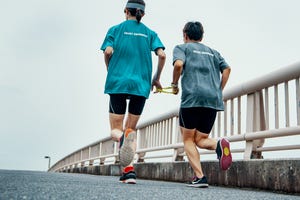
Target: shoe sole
(126, 151)
(226, 158)
(129, 181)
(204, 185)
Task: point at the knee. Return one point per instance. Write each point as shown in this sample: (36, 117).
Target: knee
(187, 137)
(188, 140)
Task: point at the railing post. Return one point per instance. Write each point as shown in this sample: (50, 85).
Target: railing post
(102, 160)
(255, 122)
(140, 144)
(141, 156)
(298, 100)
(82, 163)
(177, 138)
(176, 154)
(116, 152)
(91, 161)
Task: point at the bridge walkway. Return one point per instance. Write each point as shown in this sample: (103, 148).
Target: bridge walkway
(42, 185)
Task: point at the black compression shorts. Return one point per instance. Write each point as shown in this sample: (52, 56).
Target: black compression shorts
(199, 118)
(118, 103)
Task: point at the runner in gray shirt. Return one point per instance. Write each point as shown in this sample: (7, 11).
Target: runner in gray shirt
(204, 74)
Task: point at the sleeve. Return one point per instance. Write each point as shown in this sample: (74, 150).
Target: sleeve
(221, 62)
(109, 39)
(178, 54)
(156, 42)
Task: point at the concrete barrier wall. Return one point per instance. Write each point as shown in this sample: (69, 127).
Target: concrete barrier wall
(274, 175)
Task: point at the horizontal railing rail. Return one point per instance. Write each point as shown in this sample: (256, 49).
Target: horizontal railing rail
(256, 111)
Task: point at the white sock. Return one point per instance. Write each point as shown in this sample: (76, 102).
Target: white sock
(116, 134)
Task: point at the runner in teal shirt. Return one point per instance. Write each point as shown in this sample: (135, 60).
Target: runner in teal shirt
(127, 50)
(130, 67)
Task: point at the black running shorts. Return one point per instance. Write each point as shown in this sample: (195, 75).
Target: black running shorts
(199, 118)
(118, 103)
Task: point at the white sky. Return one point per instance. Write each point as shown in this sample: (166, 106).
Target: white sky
(52, 73)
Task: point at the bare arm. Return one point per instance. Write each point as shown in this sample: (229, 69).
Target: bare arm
(178, 66)
(225, 77)
(161, 62)
(107, 55)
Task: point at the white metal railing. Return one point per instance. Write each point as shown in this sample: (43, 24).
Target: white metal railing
(266, 107)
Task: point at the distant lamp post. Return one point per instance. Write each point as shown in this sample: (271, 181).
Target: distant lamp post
(48, 157)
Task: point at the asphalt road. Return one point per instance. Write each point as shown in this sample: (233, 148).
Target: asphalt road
(42, 185)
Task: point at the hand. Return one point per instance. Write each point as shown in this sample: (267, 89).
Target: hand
(156, 84)
(175, 90)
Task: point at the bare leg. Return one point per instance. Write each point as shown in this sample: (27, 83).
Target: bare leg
(203, 141)
(131, 121)
(116, 125)
(191, 150)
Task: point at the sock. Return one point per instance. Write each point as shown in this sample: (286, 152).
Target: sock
(218, 150)
(116, 134)
(128, 169)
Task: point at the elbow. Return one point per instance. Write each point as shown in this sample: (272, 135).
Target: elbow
(226, 71)
(108, 52)
(162, 56)
(178, 65)
(229, 70)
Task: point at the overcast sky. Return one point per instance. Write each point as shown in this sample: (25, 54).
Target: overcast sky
(52, 73)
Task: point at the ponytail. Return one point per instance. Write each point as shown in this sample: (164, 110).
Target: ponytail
(139, 13)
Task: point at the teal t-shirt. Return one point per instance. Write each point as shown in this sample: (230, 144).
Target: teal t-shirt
(130, 67)
(200, 78)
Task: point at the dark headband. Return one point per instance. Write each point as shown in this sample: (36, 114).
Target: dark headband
(135, 5)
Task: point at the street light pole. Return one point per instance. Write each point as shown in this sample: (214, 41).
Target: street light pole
(48, 157)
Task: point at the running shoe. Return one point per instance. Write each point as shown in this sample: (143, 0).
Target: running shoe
(198, 182)
(128, 177)
(224, 154)
(126, 153)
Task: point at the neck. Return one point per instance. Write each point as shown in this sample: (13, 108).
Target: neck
(192, 41)
(130, 18)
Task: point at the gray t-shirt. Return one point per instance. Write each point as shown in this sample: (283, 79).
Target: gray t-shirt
(200, 81)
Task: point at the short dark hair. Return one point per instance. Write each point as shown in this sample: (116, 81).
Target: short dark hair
(194, 30)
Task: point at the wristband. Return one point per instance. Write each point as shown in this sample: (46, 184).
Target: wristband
(174, 85)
